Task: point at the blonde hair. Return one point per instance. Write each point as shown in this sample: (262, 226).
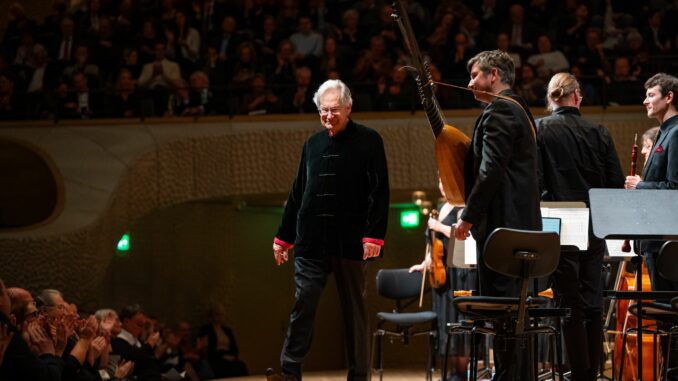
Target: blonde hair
(560, 86)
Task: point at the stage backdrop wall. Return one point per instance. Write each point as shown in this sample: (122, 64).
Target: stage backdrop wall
(202, 200)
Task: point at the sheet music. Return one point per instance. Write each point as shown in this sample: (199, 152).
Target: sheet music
(469, 251)
(614, 248)
(575, 225)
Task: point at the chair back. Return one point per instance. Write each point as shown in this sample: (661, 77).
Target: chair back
(398, 283)
(522, 253)
(667, 259)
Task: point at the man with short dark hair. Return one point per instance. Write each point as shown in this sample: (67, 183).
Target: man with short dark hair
(661, 169)
(128, 345)
(501, 181)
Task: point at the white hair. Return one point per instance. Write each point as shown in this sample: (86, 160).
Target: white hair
(334, 84)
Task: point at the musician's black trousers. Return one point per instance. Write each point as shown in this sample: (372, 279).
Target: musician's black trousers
(310, 276)
(577, 285)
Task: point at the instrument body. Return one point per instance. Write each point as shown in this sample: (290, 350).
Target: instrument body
(437, 277)
(626, 320)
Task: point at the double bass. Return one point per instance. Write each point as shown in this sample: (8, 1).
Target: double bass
(627, 282)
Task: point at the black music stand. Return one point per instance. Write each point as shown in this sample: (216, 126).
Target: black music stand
(635, 214)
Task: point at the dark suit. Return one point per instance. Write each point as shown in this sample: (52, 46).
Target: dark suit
(339, 197)
(502, 190)
(578, 155)
(146, 367)
(661, 172)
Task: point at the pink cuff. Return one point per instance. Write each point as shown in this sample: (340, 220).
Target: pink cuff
(375, 241)
(282, 243)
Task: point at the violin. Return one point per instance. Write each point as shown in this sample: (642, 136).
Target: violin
(438, 275)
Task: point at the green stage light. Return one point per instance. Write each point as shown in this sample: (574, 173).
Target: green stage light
(124, 243)
(409, 218)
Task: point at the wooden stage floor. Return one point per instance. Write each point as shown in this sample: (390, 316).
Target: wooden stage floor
(340, 375)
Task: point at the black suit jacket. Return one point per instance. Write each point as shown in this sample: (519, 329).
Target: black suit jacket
(661, 170)
(502, 188)
(146, 367)
(340, 194)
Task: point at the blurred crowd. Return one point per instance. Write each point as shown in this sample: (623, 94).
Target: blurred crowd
(139, 58)
(45, 337)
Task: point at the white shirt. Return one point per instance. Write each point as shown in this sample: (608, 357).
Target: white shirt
(128, 337)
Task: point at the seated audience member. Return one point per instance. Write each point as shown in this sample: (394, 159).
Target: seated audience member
(282, 71)
(158, 77)
(299, 99)
(222, 349)
(504, 44)
(29, 357)
(12, 107)
(24, 53)
(128, 346)
(308, 43)
(201, 94)
(75, 338)
(147, 41)
(63, 45)
(260, 99)
(24, 308)
(125, 102)
(82, 63)
(245, 66)
(130, 61)
(44, 75)
(106, 54)
(161, 72)
(623, 87)
(547, 61)
(61, 103)
(395, 92)
(374, 62)
(186, 102)
(87, 102)
(185, 42)
(180, 100)
(531, 87)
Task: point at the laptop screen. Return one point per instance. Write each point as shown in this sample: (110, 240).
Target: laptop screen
(550, 224)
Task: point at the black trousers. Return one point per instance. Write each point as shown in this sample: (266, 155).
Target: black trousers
(577, 285)
(310, 276)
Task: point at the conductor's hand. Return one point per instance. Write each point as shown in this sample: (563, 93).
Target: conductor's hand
(631, 182)
(370, 250)
(279, 254)
(462, 231)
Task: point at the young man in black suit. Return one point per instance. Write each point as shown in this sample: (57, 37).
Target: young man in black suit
(661, 169)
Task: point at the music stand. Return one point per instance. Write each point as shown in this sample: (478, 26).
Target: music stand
(635, 214)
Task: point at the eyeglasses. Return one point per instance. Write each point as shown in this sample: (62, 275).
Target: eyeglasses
(327, 111)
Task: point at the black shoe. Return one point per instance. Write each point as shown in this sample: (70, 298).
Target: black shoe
(273, 375)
